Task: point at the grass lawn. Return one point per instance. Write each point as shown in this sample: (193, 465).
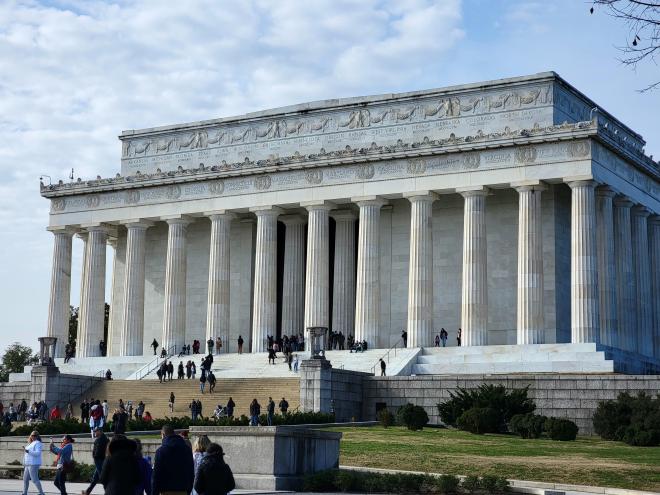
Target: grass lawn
(587, 461)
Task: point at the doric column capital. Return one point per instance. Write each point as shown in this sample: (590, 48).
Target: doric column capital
(468, 192)
(112, 242)
(605, 191)
(97, 227)
(574, 182)
(420, 196)
(640, 211)
(265, 211)
(623, 202)
(219, 215)
(177, 220)
(528, 185)
(654, 220)
(344, 215)
(293, 219)
(63, 231)
(318, 205)
(137, 223)
(369, 201)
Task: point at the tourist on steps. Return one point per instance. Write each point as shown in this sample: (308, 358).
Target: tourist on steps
(212, 381)
(32, 462)
(98, 455)
(437, 340)
(382, 367)
(214, 476)
(240, 344)
(154, 344)
(270, 411)
(209, 345)
(202, 381)
(458, 337)
(255, 411)
(284, 406)
(171, 403)
(230, 407)
(121, 471)
(444, 336)
(64, 461)
(218, 345)
(174, 470)
(180, 373)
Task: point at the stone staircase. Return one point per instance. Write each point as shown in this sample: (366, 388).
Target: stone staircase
(500, 359)
(156, 395)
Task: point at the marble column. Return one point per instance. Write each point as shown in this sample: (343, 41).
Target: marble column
(264, 307)
(114, 331)
(420, 272)
(174, 313)
(609, 331)
(642, 264)
(218, 302)
(80, 337)
(293, 285)
(317, 281)
(625, 281)
(474, 301)
(367, 293)
(530, 266)
(343, 292)
(60, 289)
(92, 306)
(132, 321)
(654, 245)
(585, 319)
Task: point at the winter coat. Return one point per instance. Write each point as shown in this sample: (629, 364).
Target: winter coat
(121, 472)
(173, 467)
(100, 445)
(214, 476)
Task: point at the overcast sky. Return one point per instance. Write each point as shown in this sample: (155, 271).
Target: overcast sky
(74, 74)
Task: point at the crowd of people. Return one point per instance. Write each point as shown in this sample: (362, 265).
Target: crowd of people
(34, 414)
(122, 468)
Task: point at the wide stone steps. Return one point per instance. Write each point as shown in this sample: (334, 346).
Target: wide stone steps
(500, 359)
(156, 395)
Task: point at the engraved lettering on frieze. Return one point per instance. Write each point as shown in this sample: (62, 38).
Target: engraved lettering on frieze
(92, 201)
(217, 187)
(416, 166)
(194, 190)
(58, 204)
(526, 154)
(314, 176)
(262, 182)
(173, 191)
(133, 196)
(365, 171)
(471, 160)
(578, 149)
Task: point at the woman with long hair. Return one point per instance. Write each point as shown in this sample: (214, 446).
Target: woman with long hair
(199, 451)
(146, 470)
(32, 462)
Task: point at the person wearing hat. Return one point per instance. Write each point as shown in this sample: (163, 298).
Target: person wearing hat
(214, 476)
(98, 454)
(64, 461)
(32, 461)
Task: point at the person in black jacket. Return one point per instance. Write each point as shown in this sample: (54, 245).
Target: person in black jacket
(173, 465)
(121, 472)
(98, 454)
(119, 420)
(214, 476)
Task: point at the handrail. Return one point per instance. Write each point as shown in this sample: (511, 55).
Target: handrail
(387, 355)
(141, 373)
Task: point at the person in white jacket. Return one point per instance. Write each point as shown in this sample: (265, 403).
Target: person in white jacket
(32, 462)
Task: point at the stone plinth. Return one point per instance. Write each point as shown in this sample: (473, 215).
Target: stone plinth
(273, 457)
(316, 385)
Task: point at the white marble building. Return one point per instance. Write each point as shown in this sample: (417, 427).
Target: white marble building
(517, 210)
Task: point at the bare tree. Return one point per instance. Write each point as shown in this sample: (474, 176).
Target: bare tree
(643, 20)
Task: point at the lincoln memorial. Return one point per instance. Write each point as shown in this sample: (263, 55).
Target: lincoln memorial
(517, 210)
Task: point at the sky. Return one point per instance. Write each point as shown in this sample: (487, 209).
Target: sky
(74, 74)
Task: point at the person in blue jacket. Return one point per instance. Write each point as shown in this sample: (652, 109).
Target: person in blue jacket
(174, 470)
(64, 461)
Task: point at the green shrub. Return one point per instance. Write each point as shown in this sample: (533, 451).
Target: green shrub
(633, 420)
(561, 429)
(412, 417)
(56, 427)
(479, 420)
(487, 484)
(385, 417)
(368, 482)
(528, 425)
(448, 483)
(506, 403)
(471, 483)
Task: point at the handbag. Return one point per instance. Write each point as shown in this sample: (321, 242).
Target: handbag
(67, 467)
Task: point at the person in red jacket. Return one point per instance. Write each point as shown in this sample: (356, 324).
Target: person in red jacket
(55, 414)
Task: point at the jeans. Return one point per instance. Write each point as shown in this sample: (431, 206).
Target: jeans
(60, 481)
(269, 417)
(98, 463)
(201, 386)
(254, 420)
(31, 473)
